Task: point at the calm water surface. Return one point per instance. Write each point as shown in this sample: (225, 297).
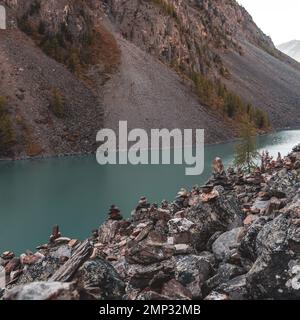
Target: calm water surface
(76, 192)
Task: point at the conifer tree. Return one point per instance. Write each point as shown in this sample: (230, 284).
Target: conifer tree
(246, 150)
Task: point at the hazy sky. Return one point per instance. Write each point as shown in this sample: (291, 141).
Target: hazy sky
(279, 19)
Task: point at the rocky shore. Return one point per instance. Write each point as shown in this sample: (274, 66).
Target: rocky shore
(235, 238)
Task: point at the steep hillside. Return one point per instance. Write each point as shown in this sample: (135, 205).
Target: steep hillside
(50, 110)
(266, 82)
(150, 95)
(50, 99)
(156, 63)
(291, 48)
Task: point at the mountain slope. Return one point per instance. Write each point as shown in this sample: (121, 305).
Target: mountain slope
(52, 110)
(27, 80)
(267, 82)
(220, 40)
(150, 95)
(291, 48)
(155, 63)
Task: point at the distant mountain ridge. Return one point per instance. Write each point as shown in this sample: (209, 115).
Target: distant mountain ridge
(291, 48)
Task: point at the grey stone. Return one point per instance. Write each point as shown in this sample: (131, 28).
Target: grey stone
(43, 291)
(226, 244)
(100, 280)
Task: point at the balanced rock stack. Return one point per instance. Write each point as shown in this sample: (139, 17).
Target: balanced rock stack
(181, 200)
(143, 204)
(115, 213)
(219, 177)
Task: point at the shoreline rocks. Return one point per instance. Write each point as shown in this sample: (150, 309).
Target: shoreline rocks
(235, 238)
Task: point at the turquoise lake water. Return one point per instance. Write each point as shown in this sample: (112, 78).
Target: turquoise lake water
(76, 192)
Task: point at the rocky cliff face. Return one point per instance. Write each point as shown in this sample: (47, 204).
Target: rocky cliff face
(190, 34)
(235, 238)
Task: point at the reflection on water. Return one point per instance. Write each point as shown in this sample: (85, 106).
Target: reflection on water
(76, 192)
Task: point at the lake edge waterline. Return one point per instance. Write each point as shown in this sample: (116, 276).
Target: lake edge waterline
(85, 154)
(75, 192)
(205, 229)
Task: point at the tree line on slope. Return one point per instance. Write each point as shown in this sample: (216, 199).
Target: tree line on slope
(215, 94)
(7, 134)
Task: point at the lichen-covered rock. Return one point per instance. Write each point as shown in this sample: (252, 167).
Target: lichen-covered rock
(2, 278)
(40, 271)
(273, 273)
(145, 253)
(284, 183)
(227, 244)
(216, 296)
(222, 214)
(179, 225)
(235, 289)
(247, 247)
(149, 295)
(192, 271)
(153, 275)
(224, 273)
(176, 291)
(43, 291)
(100, 280)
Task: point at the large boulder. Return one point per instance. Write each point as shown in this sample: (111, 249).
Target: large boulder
(227, 244)
(224, 273)
(221, 214)
(100, 280)
(192, 271)
(154, 275)
(275, 273)
(247, 247)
